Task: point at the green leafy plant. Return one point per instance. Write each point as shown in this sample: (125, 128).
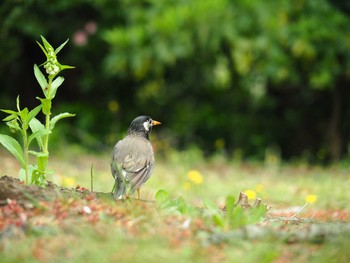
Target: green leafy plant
(235, 216)
(177, 205)
(30, 128)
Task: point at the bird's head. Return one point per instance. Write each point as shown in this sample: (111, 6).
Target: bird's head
(142, 125)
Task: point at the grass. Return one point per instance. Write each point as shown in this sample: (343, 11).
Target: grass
(107, 244)
(280, 186)
(150, 233)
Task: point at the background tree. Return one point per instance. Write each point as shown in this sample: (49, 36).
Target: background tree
(222, 75)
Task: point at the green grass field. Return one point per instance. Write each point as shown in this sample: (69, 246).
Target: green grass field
(134, 231)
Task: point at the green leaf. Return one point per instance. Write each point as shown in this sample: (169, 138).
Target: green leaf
(9, 111)
(40, 78)
(238, 217)
(47, 45)
(32, 114)
(256, 214)
(17, 104)
(35, 125)
(13, 147)
(219, 220)
(61, 46)
(10, 117)
(230, 204)
(211, 206)
(55, 84)
(35, 177)
(58, 117)
(46, 105)
(24, 114)
(39, 175)
(38, 134)
(162, 196)
(62, 67)
(32, 173)
(13, 125)
(183, 207)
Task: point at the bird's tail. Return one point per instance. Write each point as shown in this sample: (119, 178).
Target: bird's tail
(120, 189)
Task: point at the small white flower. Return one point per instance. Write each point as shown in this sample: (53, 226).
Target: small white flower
(56, 69)
(49, 69)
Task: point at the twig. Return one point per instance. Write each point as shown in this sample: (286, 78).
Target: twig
(301, 209)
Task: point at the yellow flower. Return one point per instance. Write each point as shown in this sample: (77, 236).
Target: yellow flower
(311, 199)
(68, 181)
(251, 194)
(195, 177)
(187, 186)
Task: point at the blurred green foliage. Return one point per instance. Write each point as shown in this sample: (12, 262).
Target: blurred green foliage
(228, 76)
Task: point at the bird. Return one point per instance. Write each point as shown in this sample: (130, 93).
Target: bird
(133, 158)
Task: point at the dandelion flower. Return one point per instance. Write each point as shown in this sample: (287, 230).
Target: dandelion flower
(195, 177)
(251, 194)
(311, 199)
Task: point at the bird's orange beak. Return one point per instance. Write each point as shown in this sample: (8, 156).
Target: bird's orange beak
(155, 123)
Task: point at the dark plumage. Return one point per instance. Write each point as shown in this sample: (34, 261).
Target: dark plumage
(133, 158)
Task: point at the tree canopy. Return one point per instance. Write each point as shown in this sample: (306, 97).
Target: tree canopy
(223, 75)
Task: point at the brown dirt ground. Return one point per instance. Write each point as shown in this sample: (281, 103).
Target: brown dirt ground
(13, 189)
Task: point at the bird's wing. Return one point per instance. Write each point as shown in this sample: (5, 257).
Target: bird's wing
(117, 172)
(116, 164)
(138, 170)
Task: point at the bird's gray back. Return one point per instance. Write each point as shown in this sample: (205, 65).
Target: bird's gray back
(131, 155)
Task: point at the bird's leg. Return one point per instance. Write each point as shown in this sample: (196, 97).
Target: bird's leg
(138, 192)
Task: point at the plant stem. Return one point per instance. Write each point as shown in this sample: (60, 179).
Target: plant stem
(47, 118)
(301, 209)
(25, 151)
(47, 127)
